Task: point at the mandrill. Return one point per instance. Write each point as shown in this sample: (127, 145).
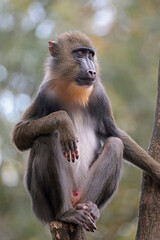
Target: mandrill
(76, 149)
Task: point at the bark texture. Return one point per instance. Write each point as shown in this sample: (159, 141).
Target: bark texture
(149, 209)
(65, 231)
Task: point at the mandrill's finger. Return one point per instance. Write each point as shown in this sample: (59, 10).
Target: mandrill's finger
(71, 147)
(76, 150)
(81, 206)
(64, 154)
(76, 154)
(64, 150)
(90, 223)
(67, 151)
(85, 227)
(90, 217)
(73, 157)
(68, 156)
(74, 145)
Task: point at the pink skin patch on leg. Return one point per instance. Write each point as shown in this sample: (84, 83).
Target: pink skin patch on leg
(75, 197)
(75, 194)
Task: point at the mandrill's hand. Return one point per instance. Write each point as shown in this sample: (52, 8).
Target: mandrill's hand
(67, 139)
(91, 208)
(80, 217)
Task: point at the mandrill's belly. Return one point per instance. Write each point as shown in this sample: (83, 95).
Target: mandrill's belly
(88, 147)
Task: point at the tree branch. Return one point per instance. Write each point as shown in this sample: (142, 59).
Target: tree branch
(65, 231)
(149, 208)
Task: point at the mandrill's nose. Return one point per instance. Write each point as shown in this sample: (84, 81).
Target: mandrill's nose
(91, 75)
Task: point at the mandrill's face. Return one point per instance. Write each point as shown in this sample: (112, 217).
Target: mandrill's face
(73, 67)
(85, 59)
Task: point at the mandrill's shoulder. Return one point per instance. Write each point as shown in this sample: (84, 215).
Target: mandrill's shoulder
(99, 100)
(100, 109)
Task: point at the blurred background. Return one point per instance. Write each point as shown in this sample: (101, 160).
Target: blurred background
(126, 34)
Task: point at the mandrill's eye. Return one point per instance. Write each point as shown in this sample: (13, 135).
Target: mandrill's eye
(80, 53)
(90, 55)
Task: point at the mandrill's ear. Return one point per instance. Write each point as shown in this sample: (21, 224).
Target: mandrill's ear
(53, 48)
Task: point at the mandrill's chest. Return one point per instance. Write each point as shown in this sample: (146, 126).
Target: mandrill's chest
(88, 144)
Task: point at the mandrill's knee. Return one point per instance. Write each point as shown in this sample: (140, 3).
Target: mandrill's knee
(115, 144)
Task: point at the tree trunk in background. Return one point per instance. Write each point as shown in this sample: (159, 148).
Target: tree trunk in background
(149, 209)
(65, 231)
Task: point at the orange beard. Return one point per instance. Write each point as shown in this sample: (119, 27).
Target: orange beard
(72, 93)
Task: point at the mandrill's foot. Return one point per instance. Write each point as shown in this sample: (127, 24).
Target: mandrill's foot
(81, 217)
(91, 208)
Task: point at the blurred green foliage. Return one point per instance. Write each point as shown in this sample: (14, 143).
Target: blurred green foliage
(126, 34)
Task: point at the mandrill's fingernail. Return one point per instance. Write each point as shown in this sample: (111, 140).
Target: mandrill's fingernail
(95, 227)
(85, 207)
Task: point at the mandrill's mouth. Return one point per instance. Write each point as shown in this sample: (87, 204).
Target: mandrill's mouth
(85, 82)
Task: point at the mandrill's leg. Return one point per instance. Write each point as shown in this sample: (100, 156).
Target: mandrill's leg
(50, 185)
(48, 179)
(103, 178)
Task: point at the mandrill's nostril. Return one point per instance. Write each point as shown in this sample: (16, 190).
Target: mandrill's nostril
(91, 74)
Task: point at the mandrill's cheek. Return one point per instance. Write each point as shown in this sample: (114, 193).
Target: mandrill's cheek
(72, 75)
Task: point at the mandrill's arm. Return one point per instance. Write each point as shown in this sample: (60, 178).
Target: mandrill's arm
(138, 156)
(30, 127)
(132, 151)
